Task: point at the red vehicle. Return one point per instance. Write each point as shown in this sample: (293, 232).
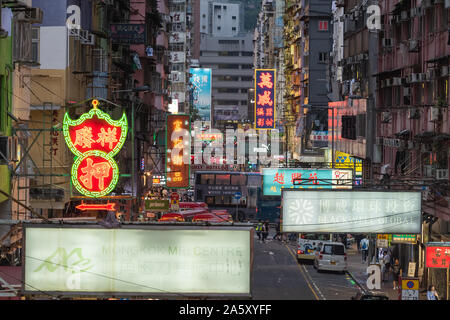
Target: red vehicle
(210, 217)
(172, 216)
(188, 215)
(193, 205)
(223, 214)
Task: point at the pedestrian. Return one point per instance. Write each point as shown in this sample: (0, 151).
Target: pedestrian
(259, 228)
(396, 269)
(364, 244)
(265, 231)
(387, 265)
(432, 293)
(358, 239)
(277, 236)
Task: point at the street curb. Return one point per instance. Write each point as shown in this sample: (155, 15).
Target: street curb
(356, 281)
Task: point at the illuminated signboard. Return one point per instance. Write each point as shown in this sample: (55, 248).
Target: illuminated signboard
(351, 211)
(404, 238)
(178, 151)
(437, 255)
(146, 261)
(276, 179)
(343, 160)
(201, 92)
(204, 136)
(265, 95)
(95, 139)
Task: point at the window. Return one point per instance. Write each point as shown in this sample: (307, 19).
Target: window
(218, 28)
(349, 127)
(223, 179)
(254, 181)
(333, 249)
(209, 201)
(227, 90)
(361, 122)
(35, 44)
(323, 57)
(207, 179)
(247, 53)
(203, 27)
(247, 66)
(233, 28)
(228, 41)
(229, 53)
(244, 90)
(226, 78)
(228, 66)
(219, 16)
(233, 17)
(323, 25)
(204, 15)
(246, 78)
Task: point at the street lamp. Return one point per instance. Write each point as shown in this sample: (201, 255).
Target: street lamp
(133, 153)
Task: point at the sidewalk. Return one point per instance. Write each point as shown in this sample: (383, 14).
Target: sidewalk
(357, 269)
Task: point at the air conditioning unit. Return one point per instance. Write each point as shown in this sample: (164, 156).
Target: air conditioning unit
(410, 144)
(406, 91)
(396, 81)
(387, 42)
(33, 15)
(414, 77)
(382, 83)
(89, 40)
(413, 12)
(445, 71)
(420, 11)
(414, 113)
(386, 117)
(404, 15)
(388, 82)
(434, 113)
(442, 174)
(74, 32)
(422, 77)
(428, 170)
(413, 45)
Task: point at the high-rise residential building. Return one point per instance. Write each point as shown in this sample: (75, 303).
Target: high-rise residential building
(220, 18)
(308, 44)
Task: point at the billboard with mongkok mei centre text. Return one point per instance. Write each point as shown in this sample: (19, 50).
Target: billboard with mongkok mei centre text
(351, 211)
(179, 261)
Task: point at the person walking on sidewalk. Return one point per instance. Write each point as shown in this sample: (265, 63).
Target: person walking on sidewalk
(397, 273)
(259, 228)
(432, 293)
(387, 265)
(265, 231)
(364, 248)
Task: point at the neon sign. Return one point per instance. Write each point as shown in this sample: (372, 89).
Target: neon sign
(95, 139)
(265, 95)
(178, 151)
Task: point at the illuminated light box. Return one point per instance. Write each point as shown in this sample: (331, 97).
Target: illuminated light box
(265, 98)
(437, 255)
(201, 94)
(277, 179)
(351, 211)
(95, 139)
(154, 260)
(178, 163)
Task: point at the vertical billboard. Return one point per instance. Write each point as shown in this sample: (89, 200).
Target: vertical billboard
(178, 148)
(350, 211)
(201, 91)
(150, 261)
(265, 98)
(276, 179)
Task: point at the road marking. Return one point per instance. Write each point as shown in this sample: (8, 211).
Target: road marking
(301, 271)
(314, 284)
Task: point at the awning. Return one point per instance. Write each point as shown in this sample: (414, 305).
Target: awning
(438, 58)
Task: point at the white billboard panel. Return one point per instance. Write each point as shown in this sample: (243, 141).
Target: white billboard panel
(351, 211)
(156, 261)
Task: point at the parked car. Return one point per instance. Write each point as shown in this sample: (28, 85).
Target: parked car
(331, 256)
(370, 295)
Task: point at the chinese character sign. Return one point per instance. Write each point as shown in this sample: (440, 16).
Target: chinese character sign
(265, 82)
(437, 256)
(178, 151)
(275, 179)
(201, 92)
(95, 139)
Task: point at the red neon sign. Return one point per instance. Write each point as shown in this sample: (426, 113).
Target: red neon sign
(265, 98)
(108, 206)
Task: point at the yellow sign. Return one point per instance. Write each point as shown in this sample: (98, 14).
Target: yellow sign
(343, 160)
(410, 284)
(383, 236)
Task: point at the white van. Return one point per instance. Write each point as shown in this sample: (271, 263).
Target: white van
(331, 256)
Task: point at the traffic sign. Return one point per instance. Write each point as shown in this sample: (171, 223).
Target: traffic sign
(237, 195)
(410, 289)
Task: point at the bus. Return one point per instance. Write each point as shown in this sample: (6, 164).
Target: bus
(217, 190)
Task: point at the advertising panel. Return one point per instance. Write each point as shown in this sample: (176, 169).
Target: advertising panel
(173, 260)
(437, 255)
(351, 211)
(343, 160)
(178, 149)
(125, 33)
(265, 98)
(157, 205)
(201, 86)
(276, 179)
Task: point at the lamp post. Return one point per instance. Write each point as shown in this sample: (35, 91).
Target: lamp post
(134, 188)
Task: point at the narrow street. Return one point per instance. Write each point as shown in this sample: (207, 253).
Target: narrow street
(277, 275)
